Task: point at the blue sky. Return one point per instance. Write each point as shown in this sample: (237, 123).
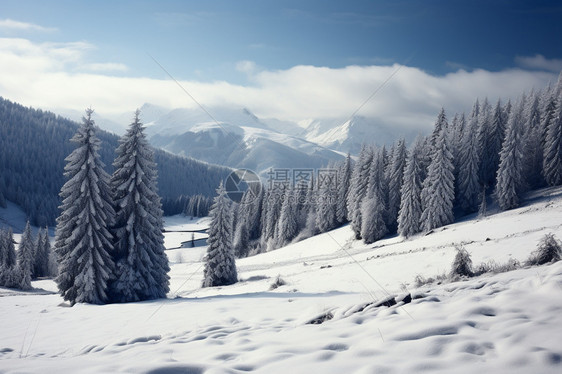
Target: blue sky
(248, 45)
(206, 39)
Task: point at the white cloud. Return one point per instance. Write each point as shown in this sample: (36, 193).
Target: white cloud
(53, 76)
(11, 25)
(106, 66)
(539, 62)
(246, 67)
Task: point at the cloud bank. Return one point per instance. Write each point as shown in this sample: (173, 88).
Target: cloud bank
(58, 76)
(11, 25)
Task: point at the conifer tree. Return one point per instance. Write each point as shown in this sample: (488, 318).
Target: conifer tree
(344, 182)
(395, 181)
(42, 254)
(552, 160)
(83, 242)
(510, 184)
(410, 193)
(273, 210)
(326, 209)
(358, 189)
(220, 265)
(142, 265)
(25, 258)
(533, 146)
(438, 188)
(548, 111)
(440, 124)
(241, 241)
(8, 257)
(494, 144)
(287, 227)
(468, 175)
(374, 205)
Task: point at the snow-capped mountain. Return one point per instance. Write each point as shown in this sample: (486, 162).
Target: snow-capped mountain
(236, 138)
(348, 135)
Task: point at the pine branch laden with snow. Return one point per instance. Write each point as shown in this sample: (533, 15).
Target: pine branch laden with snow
(142, 265)
(83, 242)
(510, 179)
(438, 191)
(220, 264)
(410, 211)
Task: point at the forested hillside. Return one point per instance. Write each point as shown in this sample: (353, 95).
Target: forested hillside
(34, 144)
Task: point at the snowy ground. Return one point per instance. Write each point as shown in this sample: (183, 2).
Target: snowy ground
(510, 322)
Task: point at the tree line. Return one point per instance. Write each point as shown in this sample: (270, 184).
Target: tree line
(32, 260)
(498, 151)
(34, 144)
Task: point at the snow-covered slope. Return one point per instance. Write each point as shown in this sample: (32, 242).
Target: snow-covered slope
(505, 323)
(12, 217)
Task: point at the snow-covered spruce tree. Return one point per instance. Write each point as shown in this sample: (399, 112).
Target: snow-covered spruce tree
(552, 160)
(241, 241)
(25, 257)
(510, 184)
(273, 210)
(142, 266)
(395, 180)
(438, 191)
(490, 138)
(220, 265)
(548, 110)
(287, 227)
(308, 214)
(42, 254)
(468, 186)
(326, 209)
(8, 257)
(344, 182)
(533, 146)
(9, 271)
(458, 126)
(440, 124)
(374, 209)
(410, 194)
(83, 242)
(483, 130)
(358, 189)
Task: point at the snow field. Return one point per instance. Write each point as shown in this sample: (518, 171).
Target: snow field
(504, 323)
